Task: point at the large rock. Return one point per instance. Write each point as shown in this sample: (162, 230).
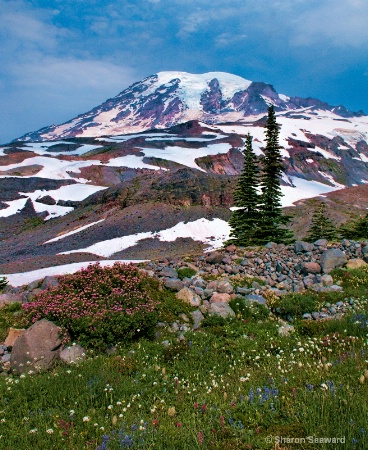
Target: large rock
(49, 281)
(220, 298)
(188, 296)
(332, 258)
(169, 272)
(72, 354)
(174, 283)
(303, 247)
(6, 299)
(311, 267)
(214, 258)
(356, 263)
(222, 286)
(37, 348)
(256, 298)
(221, 309)
(320, 242)
(197, 319)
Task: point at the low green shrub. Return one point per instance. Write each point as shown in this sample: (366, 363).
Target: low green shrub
(299, 304)
(33, 222)
(186, 272)
(100, 306)
(170, 307)
(249, 310)
(11, 315)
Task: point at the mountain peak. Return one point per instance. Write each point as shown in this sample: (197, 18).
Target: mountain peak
(169, 98)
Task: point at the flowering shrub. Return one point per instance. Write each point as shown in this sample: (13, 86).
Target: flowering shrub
(100, 306)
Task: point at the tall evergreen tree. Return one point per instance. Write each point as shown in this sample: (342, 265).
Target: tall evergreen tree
(271, 217)
(243, 221)
(322, 227)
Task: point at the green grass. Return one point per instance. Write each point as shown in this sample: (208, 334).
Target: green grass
(229, 386)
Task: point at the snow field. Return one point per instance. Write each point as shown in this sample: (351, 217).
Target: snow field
(212, 232)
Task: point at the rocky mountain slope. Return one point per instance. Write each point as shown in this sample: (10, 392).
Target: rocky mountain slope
(168, 189)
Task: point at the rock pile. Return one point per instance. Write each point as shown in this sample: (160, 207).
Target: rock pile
(254, 272)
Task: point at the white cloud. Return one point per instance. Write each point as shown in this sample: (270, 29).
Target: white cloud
(337, 24)
(40, 83)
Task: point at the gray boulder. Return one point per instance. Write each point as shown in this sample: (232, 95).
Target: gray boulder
(221, 309)
(320, 243)
(197, 319)
(214, 258)
(332, 258)
(174, 283)
(37, 349)
(256, 298)
(6, 299)
(303, 247)
(221, 286)
(72, 354)
(169, 272)
(49, 282)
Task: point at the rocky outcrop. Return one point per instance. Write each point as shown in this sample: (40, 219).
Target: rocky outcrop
(333, 258)
(37, 349)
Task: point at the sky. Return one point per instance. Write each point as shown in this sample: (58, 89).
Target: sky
(60, 58)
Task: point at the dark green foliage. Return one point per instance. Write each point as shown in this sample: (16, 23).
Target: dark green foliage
(298, 304)
(33, 222)
(186, 272)
(3, 283)
(243, 221)
(322, 227)
(249, 310)
(271, 222)
(355, 230)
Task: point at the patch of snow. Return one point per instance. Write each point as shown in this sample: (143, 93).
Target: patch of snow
(187, 139)
(212, 232)
(20, 279)
(303, 189)
(70, 233)
(284, 98)
(76, 192)
(363, 157)
(132, 161)
(52, 210)
(53, 168)
(309, 160)
(41, 148)
(15, 206)
(332, 180)
(126, 137)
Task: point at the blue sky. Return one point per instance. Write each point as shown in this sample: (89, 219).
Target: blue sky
(59, 58)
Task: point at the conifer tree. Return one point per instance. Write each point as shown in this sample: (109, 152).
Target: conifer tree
(244, 220)
(271, 217)
(357, 229)
(322, 227)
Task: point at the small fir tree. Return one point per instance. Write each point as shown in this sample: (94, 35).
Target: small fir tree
(3, 283)
(322, 227)
(271, 216)
(357, 229)
(243, 221)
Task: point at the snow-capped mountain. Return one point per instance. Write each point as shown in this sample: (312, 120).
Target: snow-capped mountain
(151, 171)
(169, 98)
